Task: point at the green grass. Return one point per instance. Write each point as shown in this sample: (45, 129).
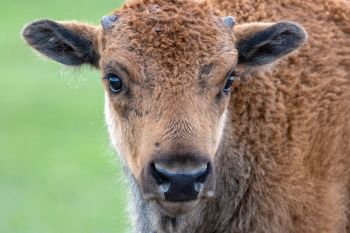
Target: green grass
(56, 171)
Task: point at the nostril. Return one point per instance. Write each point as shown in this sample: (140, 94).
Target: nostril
(200, 178)
(158, 175)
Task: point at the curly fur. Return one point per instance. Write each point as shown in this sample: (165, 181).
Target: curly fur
(281, 155)
(284, 163)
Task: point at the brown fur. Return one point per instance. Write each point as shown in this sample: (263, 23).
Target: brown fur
(162, 80)
(297, 139)
(282, 162)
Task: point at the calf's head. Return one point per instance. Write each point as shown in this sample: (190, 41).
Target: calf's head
(167, 68)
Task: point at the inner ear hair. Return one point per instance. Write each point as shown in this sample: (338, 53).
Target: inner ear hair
(68, 42)
(263, 43)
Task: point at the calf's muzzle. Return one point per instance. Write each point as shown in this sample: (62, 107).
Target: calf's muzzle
(179, 187)
(179, 178)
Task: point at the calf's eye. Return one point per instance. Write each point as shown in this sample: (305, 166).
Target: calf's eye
(229, 83)
(115, 83)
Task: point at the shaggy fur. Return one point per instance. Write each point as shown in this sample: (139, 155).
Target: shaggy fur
(280, 142)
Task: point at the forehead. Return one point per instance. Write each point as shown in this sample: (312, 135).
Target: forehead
(173, 34)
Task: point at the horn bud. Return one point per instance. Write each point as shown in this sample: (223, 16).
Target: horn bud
(107, 21)
(229, 21)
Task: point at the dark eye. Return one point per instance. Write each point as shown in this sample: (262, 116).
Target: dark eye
(229, 83)
(115, 83)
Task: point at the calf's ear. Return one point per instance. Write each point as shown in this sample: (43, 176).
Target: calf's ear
(263, 43)
(70, 43)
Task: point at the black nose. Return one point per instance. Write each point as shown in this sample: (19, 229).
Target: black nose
(180, 186)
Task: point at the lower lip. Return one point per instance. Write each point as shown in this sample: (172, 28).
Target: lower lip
(178, 208)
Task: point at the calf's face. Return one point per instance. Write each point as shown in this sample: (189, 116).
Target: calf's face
(167, 70)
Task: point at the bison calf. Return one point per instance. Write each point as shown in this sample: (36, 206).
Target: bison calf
(223, 125)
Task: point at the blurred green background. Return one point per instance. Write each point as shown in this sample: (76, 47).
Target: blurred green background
(57, 171)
